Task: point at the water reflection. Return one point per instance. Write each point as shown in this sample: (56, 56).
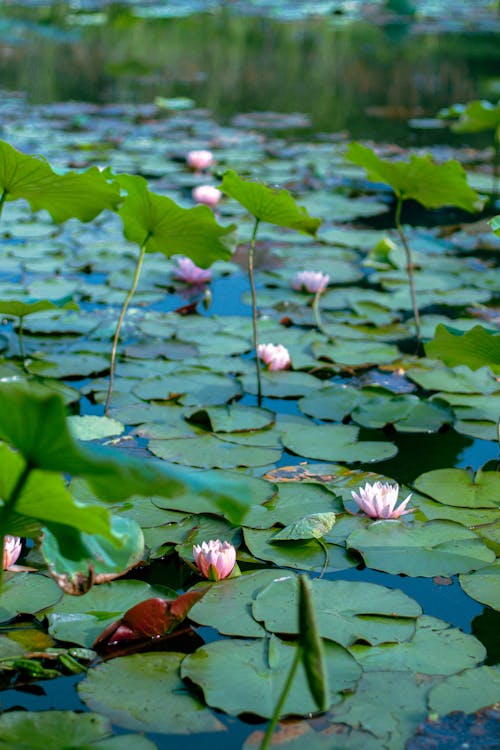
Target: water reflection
(354, 77)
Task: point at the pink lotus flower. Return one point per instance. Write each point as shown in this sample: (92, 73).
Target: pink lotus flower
(215, 559)
(275, 357)
(379, 500)
(199, 160)
(12, 546)
(190, 273)
(314, 282)
(207, 194)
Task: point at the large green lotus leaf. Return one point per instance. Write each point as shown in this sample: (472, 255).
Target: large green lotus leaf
(144, 692)
(476, 116)
(231, 418)
(196, 388)
(314, 526)
(436, 648)
(209, 451)
(27, 593)
(147, 514)
(337, 442)
(480, 429)
(162, 226)
(435, 548)
(468, 691)
(475, 348)
(22, 308)
(378, 410)
(92, 427)
(112, 475)
(483, 585)
(469, 517)
(331, 403)
(458, 488)
(122, 742)
(59, 730)
(268, 204)
(294, 500)
(351, 353)
(247, 676)
(227, 605)
(299, 555)
(425, 416)
(76, 557)
(390, 705)
(282, 384)
(460, 379)
(300, 734)
(346, 611)
(432, 185)
(81, 619)
(80, 195)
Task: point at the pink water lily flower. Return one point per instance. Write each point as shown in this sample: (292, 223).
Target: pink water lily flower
(215, 559)
(200, 160)
(276, 357)
(12, 546)
(379, 500)
(190, 273)
(314, 282)
(206, 194)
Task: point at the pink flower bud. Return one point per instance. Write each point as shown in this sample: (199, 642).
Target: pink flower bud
(275, 357)
(12, 546)
(310, 281)
(379, 500)
(215, 559)
(199, 160)
(190, 273)
(207, 194)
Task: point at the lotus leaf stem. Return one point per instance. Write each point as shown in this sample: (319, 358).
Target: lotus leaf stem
(3, 198)
(251, 250)
(327, 557)
(8, 508)
(281, 702)
(409, 266)
(496, 163)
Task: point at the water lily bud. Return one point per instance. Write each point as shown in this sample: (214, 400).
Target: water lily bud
(275, 357)
(206, 194)
(314, 282)
(379, 500)
(12, 546)
(199, 160)
(190, 273)
(215, 559)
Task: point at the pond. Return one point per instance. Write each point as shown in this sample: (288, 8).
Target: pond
(375, 389)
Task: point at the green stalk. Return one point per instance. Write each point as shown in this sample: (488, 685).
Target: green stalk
(8, 508)
(3, 198)
(316, 313)
(254, 310)
(496, 163)
(409, 267)
(123, 312)
(286, 689)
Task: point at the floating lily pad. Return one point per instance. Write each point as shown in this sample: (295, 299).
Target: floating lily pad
(195, 388)
(468, 691)
(27, 593)
(293, 501)
(314, 526)
(458, 488)
(483, 585)
(208, 451)
(30, 730)
(242, 676)
(91, 427)
(156, 684)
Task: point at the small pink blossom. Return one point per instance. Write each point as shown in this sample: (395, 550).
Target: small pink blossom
(314, 282)
(215, 559)
(207, 194)
(12, 546)
(190, 273)
(200, 160)
(379, 500)
(275, 357)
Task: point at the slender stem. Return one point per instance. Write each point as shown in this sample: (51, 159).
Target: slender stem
(251, 250)
(121, 318)
(327, 557)
(3, 198)
(8, 508)
(317, 315)
(409, 267)
(20, 337)
(496, 163)
(282, 699)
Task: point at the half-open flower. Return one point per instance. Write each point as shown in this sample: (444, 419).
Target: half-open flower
(200, 160)
(190, 273)
(206, 194)
(215, 559)
(314, 282)
(379, 500)
(12, 546)
(276, 357)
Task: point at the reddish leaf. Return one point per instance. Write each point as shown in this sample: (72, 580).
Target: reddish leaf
(148, 619)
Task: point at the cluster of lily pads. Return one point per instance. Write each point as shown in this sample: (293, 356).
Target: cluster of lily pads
(187, 388)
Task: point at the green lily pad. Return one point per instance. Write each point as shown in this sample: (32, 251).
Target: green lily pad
(346, 611)
(247, 676)
(195, 388)
(78, 365)
(27, 593)
(208, 451)
(331, 403)
(282, 384)
(483, 585)
(293, 501)
(459, 379)
(91, 427)
(435, 548)
(456, 487)
(436, 649)
(231, 418)
(156, 684)
(59, 730)
(475, 348)
(314, 526)
(468, 691)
